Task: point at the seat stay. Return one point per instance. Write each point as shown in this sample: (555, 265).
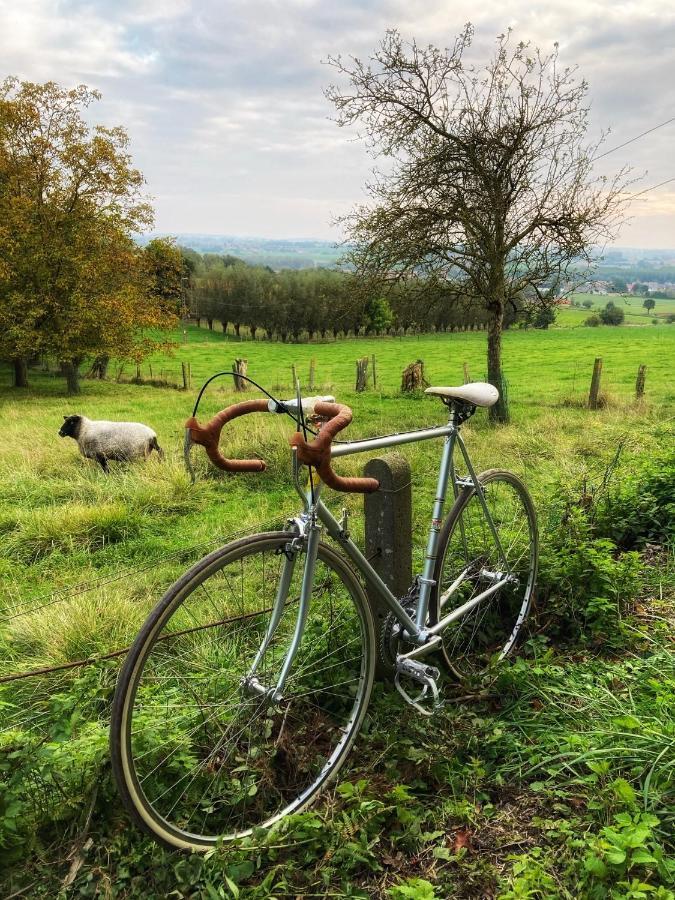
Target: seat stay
(481, 497)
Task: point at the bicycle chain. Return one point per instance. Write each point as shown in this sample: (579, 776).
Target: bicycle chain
(391, 628)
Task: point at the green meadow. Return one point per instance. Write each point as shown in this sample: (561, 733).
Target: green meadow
(561, 783)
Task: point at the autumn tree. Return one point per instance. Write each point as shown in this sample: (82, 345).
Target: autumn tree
(488, 186)
(72, 282)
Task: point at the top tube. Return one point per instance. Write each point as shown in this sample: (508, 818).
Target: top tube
(391, 440)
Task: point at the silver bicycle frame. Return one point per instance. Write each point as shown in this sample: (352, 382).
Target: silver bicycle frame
(308, 529)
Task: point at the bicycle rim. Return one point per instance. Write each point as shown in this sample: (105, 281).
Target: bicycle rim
(490, 631)
(196, 757)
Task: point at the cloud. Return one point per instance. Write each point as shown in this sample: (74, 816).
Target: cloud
(224, 103)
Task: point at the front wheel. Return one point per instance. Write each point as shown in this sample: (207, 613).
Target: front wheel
(198, 754)
(471, 561)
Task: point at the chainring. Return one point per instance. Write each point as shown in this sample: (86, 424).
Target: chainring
(390, 633)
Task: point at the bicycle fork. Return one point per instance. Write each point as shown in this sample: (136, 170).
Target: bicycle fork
(309, 535)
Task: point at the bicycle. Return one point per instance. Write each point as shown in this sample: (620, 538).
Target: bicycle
(248, 683)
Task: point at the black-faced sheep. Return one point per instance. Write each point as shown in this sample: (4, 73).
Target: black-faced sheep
(103, 441)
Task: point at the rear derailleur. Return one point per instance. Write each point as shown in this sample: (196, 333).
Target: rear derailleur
(393, 648)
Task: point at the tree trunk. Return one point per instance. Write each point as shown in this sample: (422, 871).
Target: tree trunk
(99, 368)
(209, 322)
(71, 372)
(20, 373)
(500, 411)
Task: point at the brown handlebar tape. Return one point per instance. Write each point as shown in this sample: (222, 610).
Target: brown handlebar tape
(208, 436)
(317, 453)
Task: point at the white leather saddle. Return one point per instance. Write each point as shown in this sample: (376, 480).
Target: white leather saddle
(478, 393)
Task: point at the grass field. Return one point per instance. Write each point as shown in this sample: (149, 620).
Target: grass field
(524, 793)
(632, 306)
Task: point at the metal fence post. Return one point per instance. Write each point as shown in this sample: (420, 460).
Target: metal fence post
(388, 537)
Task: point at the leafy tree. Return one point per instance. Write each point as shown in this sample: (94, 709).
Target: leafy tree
(166, 269)
(612, 315)
(587, 303)
(592, 321)
(378, 315)
(649, 303)
(490, 189)
(72, 281)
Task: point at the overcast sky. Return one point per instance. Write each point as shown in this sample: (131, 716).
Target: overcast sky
(223, 100)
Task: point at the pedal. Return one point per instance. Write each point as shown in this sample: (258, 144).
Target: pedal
(424, 675)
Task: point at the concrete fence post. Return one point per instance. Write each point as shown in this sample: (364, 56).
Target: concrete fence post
(388, 537)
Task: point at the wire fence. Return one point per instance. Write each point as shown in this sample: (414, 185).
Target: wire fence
(67, 594)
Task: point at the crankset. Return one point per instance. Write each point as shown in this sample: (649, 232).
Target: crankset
(421, 674)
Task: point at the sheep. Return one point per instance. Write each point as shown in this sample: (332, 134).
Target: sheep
(102, 440)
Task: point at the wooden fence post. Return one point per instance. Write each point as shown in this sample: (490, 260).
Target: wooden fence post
(413, 377)
(239, 367)
(361, 374)
(640, 383)
(388, 514)
(374, 372)
(594, 396)
(467, 377)
(294, 376)
(185, 379)
(312, 373)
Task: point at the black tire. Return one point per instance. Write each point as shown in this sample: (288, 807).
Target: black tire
(154, 697)
(491, 631)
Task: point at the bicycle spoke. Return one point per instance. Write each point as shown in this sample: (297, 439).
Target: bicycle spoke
(209, 748)
(489, 628)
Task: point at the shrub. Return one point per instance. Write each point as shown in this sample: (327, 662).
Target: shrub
(641, 509)
(612, 315)
(544, 317)
(592, 321)
(590, 573)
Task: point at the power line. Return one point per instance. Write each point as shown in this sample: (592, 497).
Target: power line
(653, 188)
(636, 138)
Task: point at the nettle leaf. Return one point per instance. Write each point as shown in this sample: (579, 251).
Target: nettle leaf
(623, 790)
(596, 867)
(629, 722)
(616, 856)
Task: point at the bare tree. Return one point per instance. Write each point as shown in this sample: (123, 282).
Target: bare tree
(490, 187)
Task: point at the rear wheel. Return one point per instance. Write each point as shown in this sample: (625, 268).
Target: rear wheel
(197, 754)
(469, 558)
